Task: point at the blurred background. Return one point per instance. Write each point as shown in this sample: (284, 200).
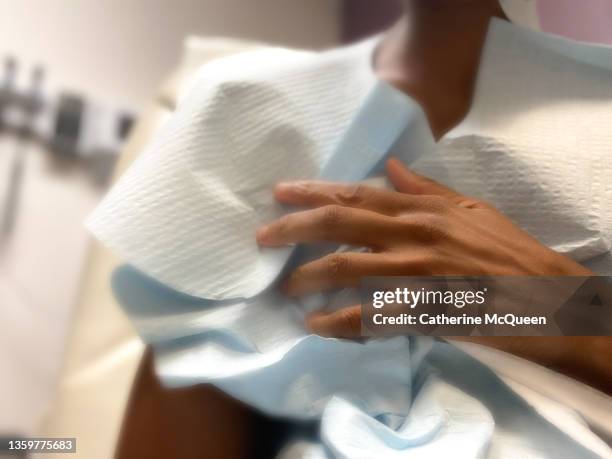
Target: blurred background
(75, 78)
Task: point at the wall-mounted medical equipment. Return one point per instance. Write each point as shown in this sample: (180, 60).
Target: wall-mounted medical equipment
(22, 109)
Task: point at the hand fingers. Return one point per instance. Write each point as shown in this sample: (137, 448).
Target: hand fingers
(339, 270)
(345, 323)
(407, 181)
(330, 223)
(317, 194)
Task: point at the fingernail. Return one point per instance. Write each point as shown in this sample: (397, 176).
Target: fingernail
(282, 186)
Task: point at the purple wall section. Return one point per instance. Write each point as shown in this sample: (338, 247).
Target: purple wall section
(362, 18)
(586, 20)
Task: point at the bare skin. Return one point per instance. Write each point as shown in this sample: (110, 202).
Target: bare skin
(426, 229)
(196, 422)
(433, 55)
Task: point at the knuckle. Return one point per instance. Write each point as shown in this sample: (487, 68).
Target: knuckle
(351, 318)
(436, 204)
(337, 265)
(472, 203)
(430, 228)
(332, 216)
(353, 195)
(281, 227)
(304, 189)
(289, 226)
(468, 202)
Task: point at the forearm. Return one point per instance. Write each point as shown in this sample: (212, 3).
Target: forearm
(188, 423)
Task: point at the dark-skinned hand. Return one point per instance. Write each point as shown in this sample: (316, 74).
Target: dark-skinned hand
(422, 229)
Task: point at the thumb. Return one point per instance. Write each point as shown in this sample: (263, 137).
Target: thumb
(407, 181)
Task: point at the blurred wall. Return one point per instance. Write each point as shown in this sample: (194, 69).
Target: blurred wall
(362, 18)
(586, 20)
(119, 50)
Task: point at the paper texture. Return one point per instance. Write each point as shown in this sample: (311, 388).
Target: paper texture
(187, 211)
